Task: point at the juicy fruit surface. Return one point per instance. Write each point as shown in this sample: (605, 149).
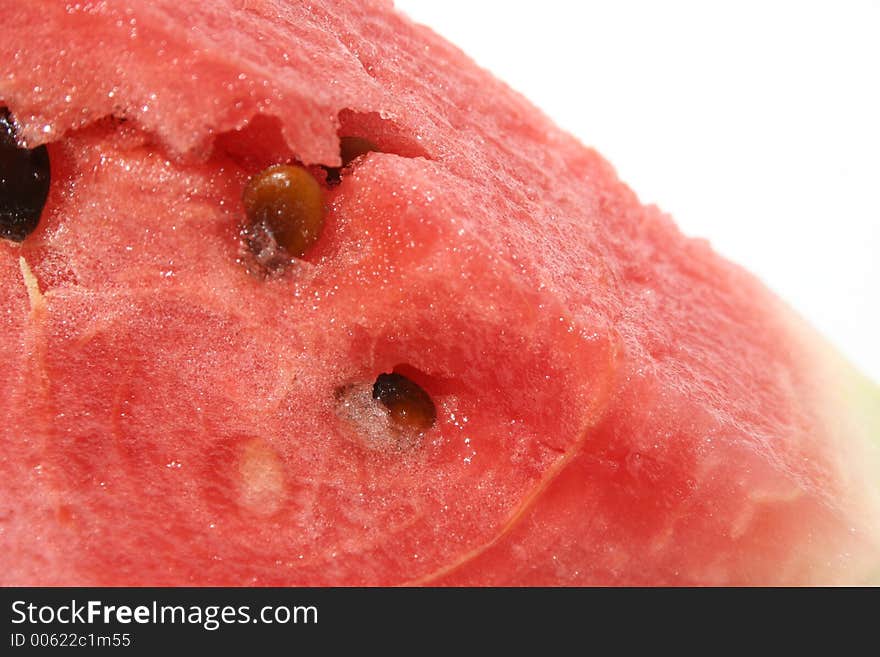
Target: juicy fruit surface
(615, 404)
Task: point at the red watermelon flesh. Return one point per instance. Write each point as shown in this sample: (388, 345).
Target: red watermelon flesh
(616, 404)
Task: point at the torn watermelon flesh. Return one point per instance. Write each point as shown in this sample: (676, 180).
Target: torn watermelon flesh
(616, 404)
(200, 410)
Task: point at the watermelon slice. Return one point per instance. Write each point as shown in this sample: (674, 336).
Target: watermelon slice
(485, 363)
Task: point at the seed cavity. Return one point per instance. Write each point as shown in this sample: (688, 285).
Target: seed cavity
(350, 148)
(409, 405)
(284, 206)
(24, 183)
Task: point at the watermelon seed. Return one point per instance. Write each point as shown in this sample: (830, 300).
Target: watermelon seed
(24, 183)
(284, 205)
(409, 405)
(350, 148)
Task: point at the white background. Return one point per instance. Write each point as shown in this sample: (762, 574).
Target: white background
(756, 124)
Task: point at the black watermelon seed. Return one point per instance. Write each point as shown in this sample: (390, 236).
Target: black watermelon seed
(24, 183)
(410, 405)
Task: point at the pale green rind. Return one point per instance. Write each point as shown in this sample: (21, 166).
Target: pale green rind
(854, 410)
(862, 396)
(847, 404)
(865, 396)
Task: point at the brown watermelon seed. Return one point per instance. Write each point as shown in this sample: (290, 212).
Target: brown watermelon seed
(24, 183)
(284, 205)
(350, 148)
(409, 405)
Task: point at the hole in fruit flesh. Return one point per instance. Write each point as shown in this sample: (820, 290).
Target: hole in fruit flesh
(284, 205)
(350, 148)
(24, 183)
